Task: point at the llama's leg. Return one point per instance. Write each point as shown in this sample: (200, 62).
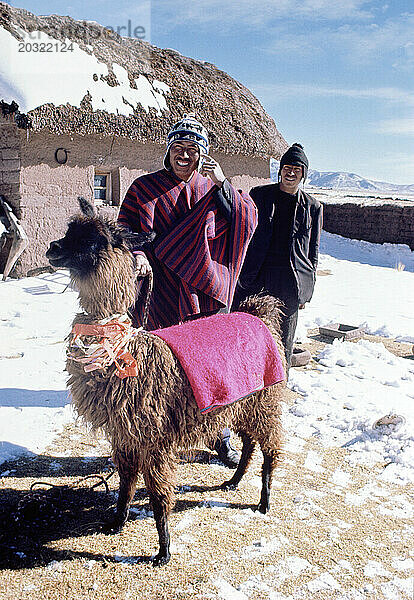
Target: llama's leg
(246, 455)
(128, 475)
(158, 481)
(161, 521)
(269, 462)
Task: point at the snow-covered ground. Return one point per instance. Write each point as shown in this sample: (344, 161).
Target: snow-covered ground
(34, 401)
(366, 198)
(370, 285)
(358, 384)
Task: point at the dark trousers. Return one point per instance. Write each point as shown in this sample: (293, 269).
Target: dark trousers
(280, 282)
(288, 329)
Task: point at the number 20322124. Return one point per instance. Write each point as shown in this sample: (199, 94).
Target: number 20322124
(45, 47)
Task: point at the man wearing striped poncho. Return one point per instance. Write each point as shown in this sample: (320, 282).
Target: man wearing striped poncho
(203, 227)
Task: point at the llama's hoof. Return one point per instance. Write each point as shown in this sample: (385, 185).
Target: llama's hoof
(160, 559)
(112, 527)
(228, 486)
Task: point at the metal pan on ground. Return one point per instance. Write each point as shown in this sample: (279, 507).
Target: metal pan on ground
(300, 357)
(342, 331)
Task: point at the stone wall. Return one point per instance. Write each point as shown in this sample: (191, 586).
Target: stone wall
(378, 223)
(10, 161)
(9, 172)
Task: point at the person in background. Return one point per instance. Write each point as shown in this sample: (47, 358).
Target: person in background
(203, 226)
(283, 255)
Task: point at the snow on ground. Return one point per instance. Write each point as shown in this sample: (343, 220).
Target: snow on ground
(358, 383)
(378, 197)
(34, 401)
(396, 256)
(360, 291)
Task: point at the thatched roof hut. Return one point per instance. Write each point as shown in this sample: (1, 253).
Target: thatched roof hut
(84, 111)
(128, 87)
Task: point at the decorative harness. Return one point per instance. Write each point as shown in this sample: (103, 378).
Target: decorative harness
(99, 345)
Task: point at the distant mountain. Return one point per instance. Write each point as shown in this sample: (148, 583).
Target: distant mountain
(337, 180)
(352, 181)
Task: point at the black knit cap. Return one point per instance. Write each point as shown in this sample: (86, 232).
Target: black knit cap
(295, 155)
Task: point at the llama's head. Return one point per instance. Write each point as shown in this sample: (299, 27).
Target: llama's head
(97, 253)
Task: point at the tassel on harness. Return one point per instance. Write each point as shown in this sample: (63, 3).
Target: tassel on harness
(99, 345)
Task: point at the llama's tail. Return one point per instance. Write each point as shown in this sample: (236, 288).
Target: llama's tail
(263, 306)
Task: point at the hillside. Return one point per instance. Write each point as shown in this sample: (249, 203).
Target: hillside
(344, 181)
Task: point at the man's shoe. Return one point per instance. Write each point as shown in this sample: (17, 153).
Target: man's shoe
(228, 455)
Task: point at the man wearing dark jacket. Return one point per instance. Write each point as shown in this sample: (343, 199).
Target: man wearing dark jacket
(282, 257)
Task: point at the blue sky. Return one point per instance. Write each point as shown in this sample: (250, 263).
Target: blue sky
(336, 75)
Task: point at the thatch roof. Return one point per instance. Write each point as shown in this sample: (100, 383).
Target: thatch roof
(175, 84)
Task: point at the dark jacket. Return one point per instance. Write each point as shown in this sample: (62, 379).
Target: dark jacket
(304, 243)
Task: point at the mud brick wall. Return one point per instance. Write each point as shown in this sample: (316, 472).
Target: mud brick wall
(393, 223)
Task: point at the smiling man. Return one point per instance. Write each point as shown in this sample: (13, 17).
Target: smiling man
(203, 226)
(283, 254)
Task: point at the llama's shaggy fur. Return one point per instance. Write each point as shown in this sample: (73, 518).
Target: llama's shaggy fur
(148, 418)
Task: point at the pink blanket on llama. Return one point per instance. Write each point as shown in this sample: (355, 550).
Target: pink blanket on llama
(225, 357)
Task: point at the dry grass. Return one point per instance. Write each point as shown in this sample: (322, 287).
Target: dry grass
(56, 551)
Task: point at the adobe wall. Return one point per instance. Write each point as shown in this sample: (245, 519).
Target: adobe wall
(48, 199)
(48, 191)
(378, 223)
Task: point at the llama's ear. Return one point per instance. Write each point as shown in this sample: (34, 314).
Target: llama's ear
(140, 240)
(86, 207)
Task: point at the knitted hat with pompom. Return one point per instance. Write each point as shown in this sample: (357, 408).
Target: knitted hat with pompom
(188, 129)
(295, 155)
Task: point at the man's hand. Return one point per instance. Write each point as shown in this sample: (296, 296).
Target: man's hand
(301, 306)
(211, 168)
(142, 265)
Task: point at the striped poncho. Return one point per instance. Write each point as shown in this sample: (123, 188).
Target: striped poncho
(198, 252)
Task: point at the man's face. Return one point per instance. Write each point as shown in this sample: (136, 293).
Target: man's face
(184, 157)
(290, 177)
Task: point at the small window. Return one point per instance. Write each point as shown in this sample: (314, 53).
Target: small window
(102, 189)
(106, 187)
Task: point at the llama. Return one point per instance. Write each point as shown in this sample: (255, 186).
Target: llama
(151, 415)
